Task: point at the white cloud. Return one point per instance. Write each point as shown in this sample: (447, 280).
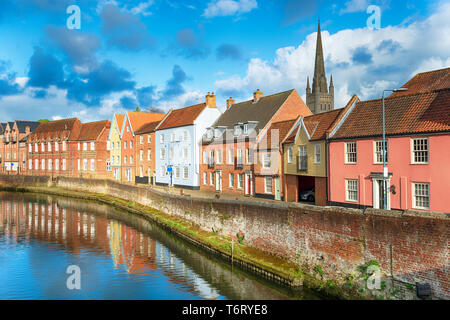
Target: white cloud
(229, 7)
(362, 61)
(354, 6)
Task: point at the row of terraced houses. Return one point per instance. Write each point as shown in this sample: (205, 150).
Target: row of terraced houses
(275, 147)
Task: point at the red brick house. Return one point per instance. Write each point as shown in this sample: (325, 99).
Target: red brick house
(132, 122)
(231, 162)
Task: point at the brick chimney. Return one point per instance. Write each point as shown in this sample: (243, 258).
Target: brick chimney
(211, 100)
(230, 102)
(257, 95)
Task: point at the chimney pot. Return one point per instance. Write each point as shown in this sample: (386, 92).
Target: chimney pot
(257, 95)
(230, 102)
(211, 100)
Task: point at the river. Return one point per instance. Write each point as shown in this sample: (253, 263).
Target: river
(116, 255)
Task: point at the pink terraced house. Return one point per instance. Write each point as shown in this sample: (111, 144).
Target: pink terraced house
(418, 149)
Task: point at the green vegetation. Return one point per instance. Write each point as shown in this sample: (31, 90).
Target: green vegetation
(318, 269)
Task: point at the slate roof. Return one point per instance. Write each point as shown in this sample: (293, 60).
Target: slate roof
(405, 114)
(22, 124)
(426, 82)
(182, 117)
(91, 131)
(2, 127)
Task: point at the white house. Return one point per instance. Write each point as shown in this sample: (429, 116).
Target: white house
(178, 140)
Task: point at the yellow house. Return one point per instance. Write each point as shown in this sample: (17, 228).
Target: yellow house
(115, 145)
(305, 157)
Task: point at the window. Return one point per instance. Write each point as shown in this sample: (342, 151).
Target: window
(36, 164)
(351, 190)
(378, 152)
(84, 146)
(79, 146)
(161, 138)
(149, 154)
(79, 164)
(36, 147)
(266, 160)
(64, 164)
(64, 147)
(92, 164)
(162, 153)
(170, 153)
(141, 155)
(108, 165)
(350, 152)
(56, 146)
(141, 139)
(128, 129)
(185, 153)
(317, 153)
(149, 138)
(131, 159)
(420, 150)
(185, 136)
(30, 164)
(57, 164)
(421, 195)
(172, 137)
(42, 147)
(124, 144)
(246, 129)
(117, 145)
(185, 172)
(92, 146)
(43, 164)
(30, 148)
(237, 130)
(205, 157)
(219, 156)
(239, 156)
(268, 185)
(205, 178)
(211, 178)
(248, 156)
(85, 164)
(49, 147)
(240, 180)
(177, 172)
(125, 160)
(231, 180)
(289, 154)
(50, 164)
(108, 145)
(230, 156)
(131, 144)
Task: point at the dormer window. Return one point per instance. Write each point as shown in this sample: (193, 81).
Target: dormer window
(237, 130)
(209, 133)
(246, 128)
(216, 133)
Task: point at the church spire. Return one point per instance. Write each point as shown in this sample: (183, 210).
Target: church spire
(319, 67)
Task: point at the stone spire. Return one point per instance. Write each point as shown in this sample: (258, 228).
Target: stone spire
(320, 98)
(308, 88)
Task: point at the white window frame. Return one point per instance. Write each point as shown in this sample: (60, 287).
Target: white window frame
(205, 178)
(185, 173)
(317, 154)
(266, 160)
(92, 145)
(219, 156)
(290, 154)
(231, 156)
(231, 180)
(413, 161)
(92, 164)
(351, 153)
(378, 153)
(211, 178)
(347, 190)
(64, 164)
(240, 181)
(266, 185)
(85, 146)
(414, 195)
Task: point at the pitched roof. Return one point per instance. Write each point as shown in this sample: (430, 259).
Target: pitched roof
(262, 111)
(318, 124)
(277, 131)
(406, 114)
(182, 117)
(148, 127)
(426, 82)
(119, 120)
(92, 130)
(138, 119)
(2, 127)
(22, 124)
(54, 129)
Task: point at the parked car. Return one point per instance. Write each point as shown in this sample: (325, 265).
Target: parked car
(308, 195)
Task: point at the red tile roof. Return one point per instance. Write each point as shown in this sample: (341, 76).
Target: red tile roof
(56, 129)
(405, 114)
(426, 82)
(182, 117)
(318, 124)
(148, 127)
(92, 130)
(138, 119)
(277, 131)
(119, 120)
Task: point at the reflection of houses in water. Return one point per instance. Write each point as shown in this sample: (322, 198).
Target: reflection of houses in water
(55, 221)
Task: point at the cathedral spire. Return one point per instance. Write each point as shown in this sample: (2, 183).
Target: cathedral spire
(319, 67)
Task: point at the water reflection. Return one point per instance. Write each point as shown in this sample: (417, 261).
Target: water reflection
(121, 256)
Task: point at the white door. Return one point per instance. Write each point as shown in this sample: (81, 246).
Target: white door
(219, 181)
(378, 194)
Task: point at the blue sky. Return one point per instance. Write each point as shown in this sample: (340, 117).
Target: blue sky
(164, 54)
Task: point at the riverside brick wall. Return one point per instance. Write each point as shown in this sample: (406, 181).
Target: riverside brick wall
(338, 239)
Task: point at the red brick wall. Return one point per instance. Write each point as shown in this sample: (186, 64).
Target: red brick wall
(320, 190)
(145, 146)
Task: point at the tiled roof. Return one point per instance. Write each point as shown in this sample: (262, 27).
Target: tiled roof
(277, 131)
(22, 124)
(426, 82)
(138, 119)
(148, 127)
(262, 111)
(318, 124)
(92, 130)
(119, 120)
(2, 127)
(54, 129)
(182, 117)
(423, 112)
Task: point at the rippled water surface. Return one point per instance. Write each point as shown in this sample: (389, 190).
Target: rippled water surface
(120, 256)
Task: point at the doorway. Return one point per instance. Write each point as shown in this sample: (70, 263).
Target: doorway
(378, 194)
(277, 189)
(248, 184)
(219, 181)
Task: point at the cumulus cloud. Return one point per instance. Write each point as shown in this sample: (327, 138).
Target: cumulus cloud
(45, 70)
(217, 8)
(354, 6)
(362, 61)
(124, 30)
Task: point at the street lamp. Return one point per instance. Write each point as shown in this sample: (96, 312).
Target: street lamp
(385, 169)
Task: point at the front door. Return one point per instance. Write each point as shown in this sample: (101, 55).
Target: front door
(378, 194)
(277, 189)
(248, 184)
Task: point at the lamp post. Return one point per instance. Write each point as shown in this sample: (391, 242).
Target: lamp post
(385, 169)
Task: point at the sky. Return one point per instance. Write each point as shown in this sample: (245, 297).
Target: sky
(162, 54)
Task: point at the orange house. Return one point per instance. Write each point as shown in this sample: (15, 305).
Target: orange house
(133, 121)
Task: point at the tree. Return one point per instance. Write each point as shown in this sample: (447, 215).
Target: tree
(43, 120)
(138, 109)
